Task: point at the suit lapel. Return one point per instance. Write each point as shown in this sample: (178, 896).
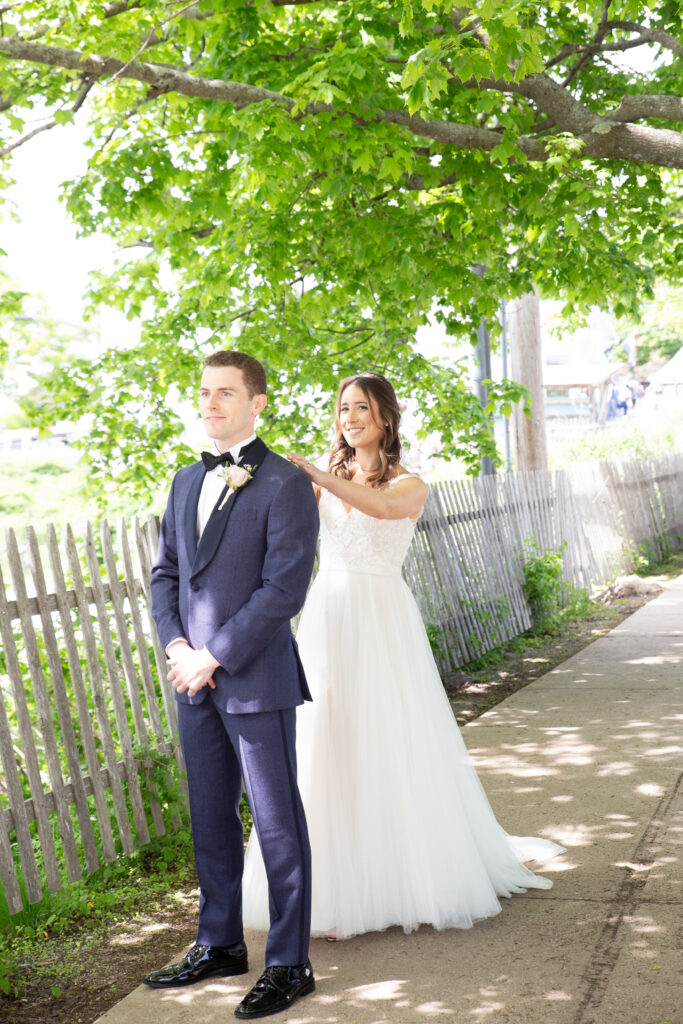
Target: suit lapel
(218, 520)
(190, 519)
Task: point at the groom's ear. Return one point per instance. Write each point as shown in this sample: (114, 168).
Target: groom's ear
(258, 404)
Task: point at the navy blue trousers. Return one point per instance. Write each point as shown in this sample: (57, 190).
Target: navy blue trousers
(220, 750)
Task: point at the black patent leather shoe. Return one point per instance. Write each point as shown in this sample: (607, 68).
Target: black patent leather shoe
(276, 989)
(201, 962)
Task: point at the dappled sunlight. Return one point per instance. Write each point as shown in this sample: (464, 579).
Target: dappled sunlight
(641, 925)
(511, 766)
(666, 862)
(140, 935)
(556, 866)
(560, 747)
(486, 1009)
(615, 768)
(379, 990)
(637, 725)
(570, 749)
(435, 1009)
(217, 990)
(664, 751)
(444, 976)
(660, 659)
(634, 867)
(573, 835)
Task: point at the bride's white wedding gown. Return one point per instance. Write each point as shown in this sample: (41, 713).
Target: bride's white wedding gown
(401, 830)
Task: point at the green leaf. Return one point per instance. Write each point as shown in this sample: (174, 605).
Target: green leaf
(418, 97)
(364, 161)
(390, 168)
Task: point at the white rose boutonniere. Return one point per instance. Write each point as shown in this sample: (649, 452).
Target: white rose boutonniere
(235, 477)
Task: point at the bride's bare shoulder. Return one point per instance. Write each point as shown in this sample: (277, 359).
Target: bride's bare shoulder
(402, 473)
(414, 490)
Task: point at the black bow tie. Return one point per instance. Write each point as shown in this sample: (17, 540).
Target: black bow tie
(211, 461)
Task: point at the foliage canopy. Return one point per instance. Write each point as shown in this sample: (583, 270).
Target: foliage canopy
(312, 180)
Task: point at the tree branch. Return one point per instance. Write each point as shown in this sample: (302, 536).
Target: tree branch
(600, 33)
(450, 133)
(343, 351)
(591, 48)
(633, 108)
(416, 182)
(164, 77)
(152, 37)
(111, 10)
(650, 35)
(601, 136)
(52, 123)
(151, 95)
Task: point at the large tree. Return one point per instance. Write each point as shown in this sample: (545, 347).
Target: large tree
(312, 180)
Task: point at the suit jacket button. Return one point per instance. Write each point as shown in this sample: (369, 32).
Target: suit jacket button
(194, 586)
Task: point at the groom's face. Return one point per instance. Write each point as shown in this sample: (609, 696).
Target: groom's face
(228, 411)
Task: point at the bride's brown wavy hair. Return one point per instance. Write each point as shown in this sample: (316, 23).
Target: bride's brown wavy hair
(384, 408)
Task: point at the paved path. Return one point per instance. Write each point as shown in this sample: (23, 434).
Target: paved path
(590, 755)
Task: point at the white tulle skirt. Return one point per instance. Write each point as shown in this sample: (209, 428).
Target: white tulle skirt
(401, 830)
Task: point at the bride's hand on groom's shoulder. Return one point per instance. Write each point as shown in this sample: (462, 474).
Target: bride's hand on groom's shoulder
(311, 471)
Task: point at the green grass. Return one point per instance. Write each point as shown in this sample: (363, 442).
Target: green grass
(82, 910)
(76, 916)
(651, 435)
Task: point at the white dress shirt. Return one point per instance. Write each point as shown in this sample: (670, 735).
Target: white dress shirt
(214, 483)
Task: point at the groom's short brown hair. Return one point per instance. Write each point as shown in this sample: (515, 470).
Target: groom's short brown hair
(252, 371)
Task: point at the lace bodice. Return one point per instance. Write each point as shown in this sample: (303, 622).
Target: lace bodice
(355, 542)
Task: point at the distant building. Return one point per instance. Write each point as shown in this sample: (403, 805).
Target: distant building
(667, 382)
(24, 443)
(579, 391)
(579, 376)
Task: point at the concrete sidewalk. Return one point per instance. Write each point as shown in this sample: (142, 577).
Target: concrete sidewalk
(590, 755)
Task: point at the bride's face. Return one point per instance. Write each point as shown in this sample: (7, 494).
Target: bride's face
(359, 419)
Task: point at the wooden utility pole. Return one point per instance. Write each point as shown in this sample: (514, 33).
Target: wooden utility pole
(523, 326)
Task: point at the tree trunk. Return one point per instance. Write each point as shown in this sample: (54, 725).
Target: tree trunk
(523, 323)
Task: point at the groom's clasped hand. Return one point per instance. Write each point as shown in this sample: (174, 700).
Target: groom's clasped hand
(190, 670)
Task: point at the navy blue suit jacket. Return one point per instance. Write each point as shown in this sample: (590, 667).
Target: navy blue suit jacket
(237, 590)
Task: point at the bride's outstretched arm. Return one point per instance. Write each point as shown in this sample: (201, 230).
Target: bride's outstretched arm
(404, 498)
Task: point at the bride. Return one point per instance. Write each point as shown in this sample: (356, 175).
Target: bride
(401, 830)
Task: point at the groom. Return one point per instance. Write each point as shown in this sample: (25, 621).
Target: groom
(235, 557)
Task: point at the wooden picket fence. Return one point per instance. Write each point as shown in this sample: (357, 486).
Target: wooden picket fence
(87, 717)
(84, 705)
(465, 565)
